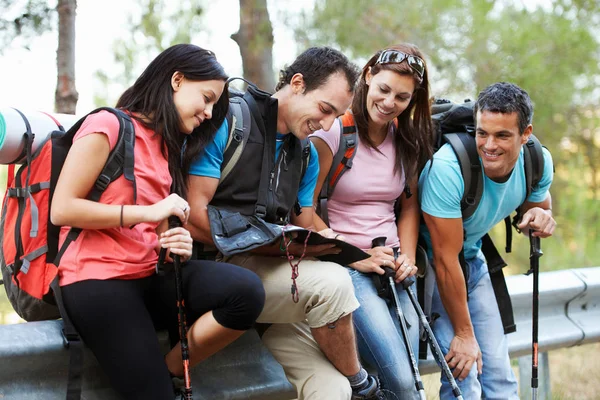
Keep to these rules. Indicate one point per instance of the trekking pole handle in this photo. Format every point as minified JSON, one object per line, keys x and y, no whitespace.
{"x":535,"y":245}
{"x":380,"y":241}
{"x":174,"y":222}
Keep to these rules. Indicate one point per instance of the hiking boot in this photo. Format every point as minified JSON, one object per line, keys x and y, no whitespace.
{"x":370,"y":391}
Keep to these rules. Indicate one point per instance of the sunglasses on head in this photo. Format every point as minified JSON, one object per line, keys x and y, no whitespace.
{"x":396,"y":57}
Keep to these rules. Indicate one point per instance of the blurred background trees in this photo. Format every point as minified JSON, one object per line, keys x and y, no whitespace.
{"x":550,"y":48}
{"x":24,"y":20}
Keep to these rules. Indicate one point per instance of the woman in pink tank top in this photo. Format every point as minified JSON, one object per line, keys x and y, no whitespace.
{"x":391,"y":115}
{"x":109,"y":285}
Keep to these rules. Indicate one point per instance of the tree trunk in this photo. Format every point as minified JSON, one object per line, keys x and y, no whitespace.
{"x":66,"y":96}
{"x":255,"y":38}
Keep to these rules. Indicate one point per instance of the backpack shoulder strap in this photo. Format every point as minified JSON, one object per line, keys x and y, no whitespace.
{"x":465,"y":149}
{"x":121,"y":159}
{"x":533,"y":162}
{"x":239,"y":121}
{"x":305,"y":146}
{"x":342,"y":159}
{"x":120,"y":162}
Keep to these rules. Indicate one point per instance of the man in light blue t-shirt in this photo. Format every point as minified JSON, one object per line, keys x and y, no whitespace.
{"x":471,"y":332}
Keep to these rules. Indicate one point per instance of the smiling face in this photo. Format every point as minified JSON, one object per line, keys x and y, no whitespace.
{"x":194,"y":100}
{"x":388,"y":96}
{"x":499,"y":142}
{"x":318,"y":108}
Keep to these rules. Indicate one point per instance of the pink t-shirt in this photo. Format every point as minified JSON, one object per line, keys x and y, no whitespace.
{"x":362,"y":205}
{"x":121,"y":253}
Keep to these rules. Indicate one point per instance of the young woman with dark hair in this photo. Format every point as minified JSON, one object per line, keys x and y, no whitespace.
{"x":391,"y":113}
{"x":110,"y":289}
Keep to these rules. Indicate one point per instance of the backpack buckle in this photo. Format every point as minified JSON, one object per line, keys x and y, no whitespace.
{"x":102,"y":182}
{"x":261,"y":210}
{"x":470,"y":200}
{"x":238,"y":135}
{"x":68,"y":338}
{"x":18,"y":192}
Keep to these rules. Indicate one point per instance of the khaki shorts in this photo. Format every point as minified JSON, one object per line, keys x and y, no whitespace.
{"x":325,"y":289}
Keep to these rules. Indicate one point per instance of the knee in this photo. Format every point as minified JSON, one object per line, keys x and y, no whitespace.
{"x":322,"y":386}
{"x":250,"y":290}
{"x":245,"y":302}
{"x":336,"y":283}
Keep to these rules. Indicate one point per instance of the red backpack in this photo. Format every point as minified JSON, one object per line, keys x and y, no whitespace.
{"x":29,"y":241}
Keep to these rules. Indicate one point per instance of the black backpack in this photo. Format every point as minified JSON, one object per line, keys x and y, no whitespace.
{"x":454,"y":124}
{"x":239,"y":122}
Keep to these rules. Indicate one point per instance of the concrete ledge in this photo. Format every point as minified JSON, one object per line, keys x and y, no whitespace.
{"x":35,"y":363}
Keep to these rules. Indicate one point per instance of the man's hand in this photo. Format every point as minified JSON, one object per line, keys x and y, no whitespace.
{"x":464,"y":351}
{"x":538,"y":220}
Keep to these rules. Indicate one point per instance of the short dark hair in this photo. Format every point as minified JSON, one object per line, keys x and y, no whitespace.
{"x":152,"y":96}
{"x":316,"y":65}
{"x":506,"y":98}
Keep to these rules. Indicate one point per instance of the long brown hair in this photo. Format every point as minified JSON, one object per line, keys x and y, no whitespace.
{"x":152,"y":95}
{"x":413,"y":136}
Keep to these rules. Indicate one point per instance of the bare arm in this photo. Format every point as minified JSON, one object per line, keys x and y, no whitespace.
{"x":408,"y":223}
{"x":305,"y":219}
{"x":408,"y":232}
{"x":447,"y":243}
{"x":83,"y":164}
{"x":201,"y":190}
{"x":538,"y":216}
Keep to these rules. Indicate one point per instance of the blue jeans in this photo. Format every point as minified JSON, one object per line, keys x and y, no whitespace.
{"x":379,"y":337}
{"x":497,"y":380}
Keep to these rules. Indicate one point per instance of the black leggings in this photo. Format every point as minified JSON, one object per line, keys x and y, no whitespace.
{"x":117,"y":319}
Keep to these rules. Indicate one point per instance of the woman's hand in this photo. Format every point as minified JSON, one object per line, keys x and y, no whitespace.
{"x":405,"y":267}
{"x":177,"y":241}
{"x":330,"y":234}
{"x":380,"y":256}
{"x":171,"y":205}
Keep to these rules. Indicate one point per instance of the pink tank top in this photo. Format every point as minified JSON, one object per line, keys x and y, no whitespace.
{"x":362,"y":205}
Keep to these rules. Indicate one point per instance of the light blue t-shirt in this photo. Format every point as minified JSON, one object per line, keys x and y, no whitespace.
{"x":209,"y":164}
{"x":441,"y":188}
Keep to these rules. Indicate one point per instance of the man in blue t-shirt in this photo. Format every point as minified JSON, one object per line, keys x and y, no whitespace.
{"x":312,"y":334}
{"x":471,"y":332}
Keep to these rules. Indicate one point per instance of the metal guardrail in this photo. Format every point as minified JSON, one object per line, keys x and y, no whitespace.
{"x":33,"y":361}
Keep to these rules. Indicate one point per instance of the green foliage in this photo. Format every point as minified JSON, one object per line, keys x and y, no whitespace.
{"x":552,"y":50}
{"x":159,"y":25}
{"x":24,"y":20}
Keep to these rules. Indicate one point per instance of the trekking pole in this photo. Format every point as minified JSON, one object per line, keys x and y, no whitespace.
{"x":534,"y":262}
{"x":175,"y":222}
{"x":433,"y":344}
{"x":389,"y":277}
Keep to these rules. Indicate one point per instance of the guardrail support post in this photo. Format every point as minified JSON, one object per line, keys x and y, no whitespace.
{"x":544,"y":392}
